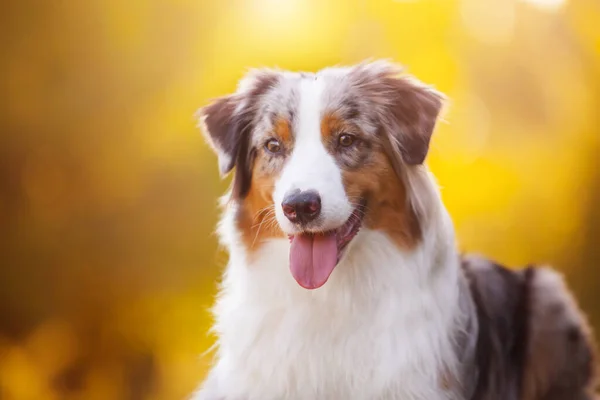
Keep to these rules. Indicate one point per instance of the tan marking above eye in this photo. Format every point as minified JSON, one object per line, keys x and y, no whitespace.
{"x":331,"y":124}
{"x":283,"y":130}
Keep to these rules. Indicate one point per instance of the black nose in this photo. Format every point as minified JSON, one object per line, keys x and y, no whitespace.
{"x":301,"y":207}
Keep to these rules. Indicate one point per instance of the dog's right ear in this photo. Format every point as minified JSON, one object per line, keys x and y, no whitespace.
{"x":222,"y":130}
{"x":228,"y":121}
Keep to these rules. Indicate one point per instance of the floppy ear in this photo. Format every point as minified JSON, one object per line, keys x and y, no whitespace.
{"x":223,"y":130}
{"x":407,"y":110}
{"x":228,"y":123}
{"x":411,"y":113}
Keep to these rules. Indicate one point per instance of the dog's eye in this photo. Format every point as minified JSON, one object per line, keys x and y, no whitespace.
{"x":273,"y":146}
{"x":346,"y":140}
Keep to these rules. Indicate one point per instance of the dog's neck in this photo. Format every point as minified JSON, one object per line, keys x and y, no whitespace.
{"x":378,"y":291}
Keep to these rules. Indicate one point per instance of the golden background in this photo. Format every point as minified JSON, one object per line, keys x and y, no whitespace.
{"x":108,"y":192}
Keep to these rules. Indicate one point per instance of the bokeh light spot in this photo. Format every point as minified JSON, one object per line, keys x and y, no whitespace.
{"x":490,"y":21}
{"x":547,"y":5}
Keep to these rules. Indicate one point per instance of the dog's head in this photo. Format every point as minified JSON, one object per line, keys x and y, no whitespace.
{"x":317,"y":156}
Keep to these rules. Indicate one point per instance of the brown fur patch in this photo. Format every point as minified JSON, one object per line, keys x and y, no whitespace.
{"x":388,"y":209}
{"x":387,"y":201}
{"x":283,"y":130}
{"x":331,"y":125}
{"x":256,"y":215}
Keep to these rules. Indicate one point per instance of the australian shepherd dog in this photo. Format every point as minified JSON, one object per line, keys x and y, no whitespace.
{"x":344,"y":281}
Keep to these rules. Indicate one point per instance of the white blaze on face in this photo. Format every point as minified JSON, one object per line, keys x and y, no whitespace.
{"x":310,"y":166}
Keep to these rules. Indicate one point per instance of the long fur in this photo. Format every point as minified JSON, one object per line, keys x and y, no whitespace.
{"x":396,"y":320}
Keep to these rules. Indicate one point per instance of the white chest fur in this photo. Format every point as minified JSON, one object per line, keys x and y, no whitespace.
{"x":380,"y":329}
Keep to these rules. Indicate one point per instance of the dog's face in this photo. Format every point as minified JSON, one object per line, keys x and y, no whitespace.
{"x":317,"y":156}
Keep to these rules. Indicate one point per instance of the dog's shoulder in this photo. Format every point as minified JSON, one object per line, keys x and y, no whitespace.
{"x":534,"y":342}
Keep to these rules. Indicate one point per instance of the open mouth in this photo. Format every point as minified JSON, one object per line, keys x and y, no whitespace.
{"x":313,"y":256}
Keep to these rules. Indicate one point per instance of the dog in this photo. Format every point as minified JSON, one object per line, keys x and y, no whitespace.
{"x":344,"y":281}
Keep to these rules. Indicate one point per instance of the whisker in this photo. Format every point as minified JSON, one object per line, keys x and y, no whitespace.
{"x":257,"y":232}
{"x":266,"y":209}
{"x":271,"y":224}
{"x":266,"y":218}
{"x":265,"y":213}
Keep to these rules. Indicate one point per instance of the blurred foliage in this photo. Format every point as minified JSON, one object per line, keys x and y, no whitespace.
{"x":108,"y":193}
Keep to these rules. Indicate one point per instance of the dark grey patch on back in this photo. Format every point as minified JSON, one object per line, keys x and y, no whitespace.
{"x":507,"y":304}
{"x":499,"y":296}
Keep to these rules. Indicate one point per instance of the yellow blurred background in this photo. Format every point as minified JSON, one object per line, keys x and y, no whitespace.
{"x":108,"y":193}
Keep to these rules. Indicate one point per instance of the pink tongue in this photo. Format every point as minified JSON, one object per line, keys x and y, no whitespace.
{"x":312,"y":259}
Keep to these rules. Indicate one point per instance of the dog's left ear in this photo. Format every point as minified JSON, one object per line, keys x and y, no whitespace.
{"x":411,"y":113}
